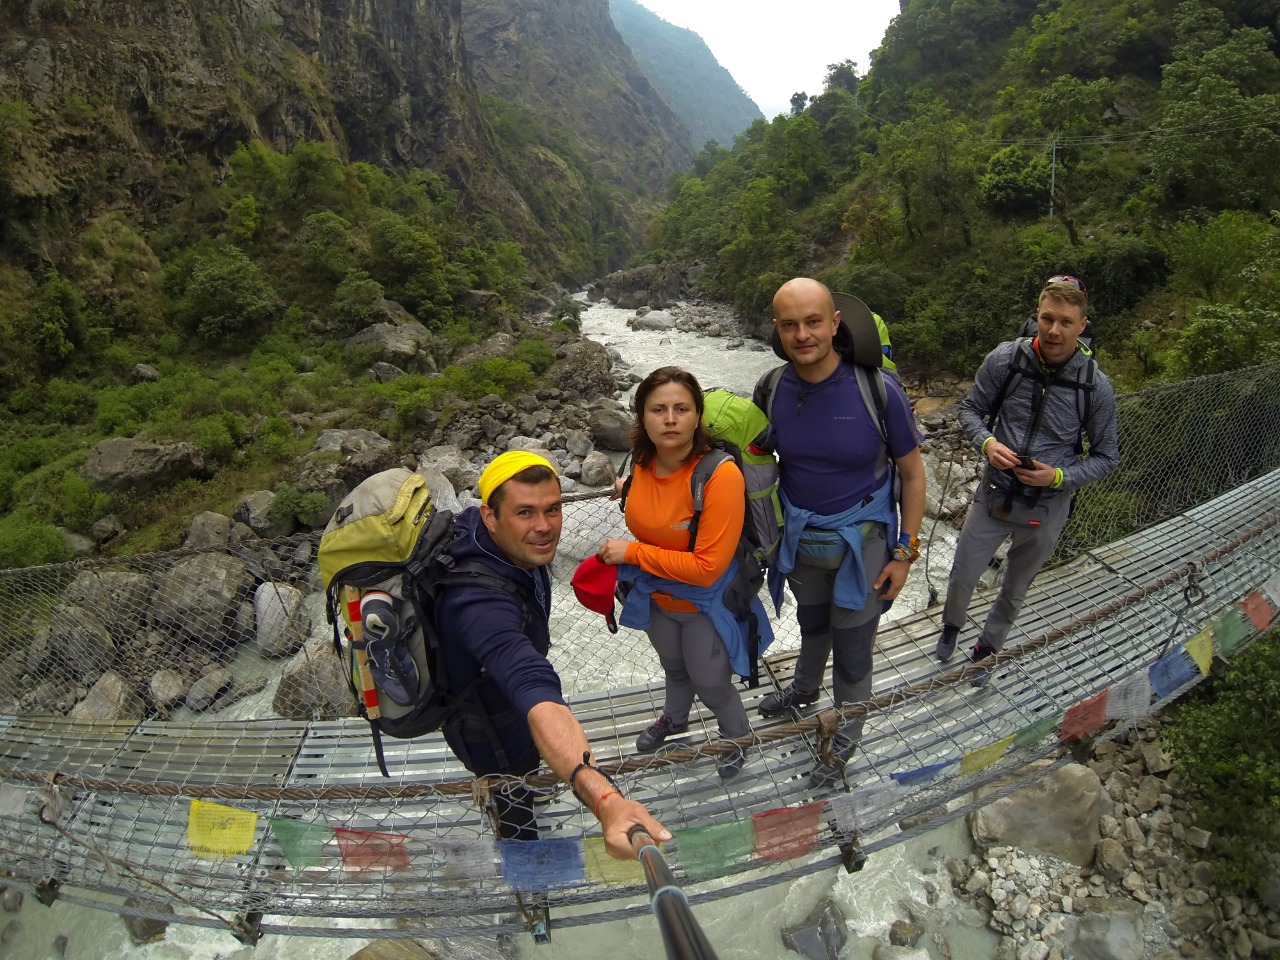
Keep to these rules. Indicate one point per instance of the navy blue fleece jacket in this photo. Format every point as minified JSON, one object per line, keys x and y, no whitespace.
{"x":486,"y":628}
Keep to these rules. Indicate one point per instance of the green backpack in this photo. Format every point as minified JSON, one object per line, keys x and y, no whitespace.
{"x":383,"y":565}
{"x":735,"y":424}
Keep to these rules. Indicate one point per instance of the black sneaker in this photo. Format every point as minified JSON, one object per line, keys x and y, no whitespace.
{"x":730,"y":764}
{"x":653,"y":737}
{"x":982,"y":678}
{"x":826,"y":774}
{"x":776,"y":704}
{"x":947,"y":642}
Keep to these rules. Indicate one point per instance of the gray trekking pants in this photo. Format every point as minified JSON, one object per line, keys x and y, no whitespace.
{"x":979,"y":540}
{"x":849,"y":636}
{"x":696,"y":662}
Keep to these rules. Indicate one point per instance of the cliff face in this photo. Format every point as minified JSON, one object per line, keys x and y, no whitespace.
{"x":564,"y":61}
{"x":118,"y":88}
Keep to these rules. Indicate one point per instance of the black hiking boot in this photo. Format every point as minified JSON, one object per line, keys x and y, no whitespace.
{"x":776,"y":704}
{"x":947,"y":642}
{"x":652,"y":738}
{"x":980,"y":652}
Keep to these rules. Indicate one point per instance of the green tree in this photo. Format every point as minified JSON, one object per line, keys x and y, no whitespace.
{"x":1210,"y":260}
{"x":1222,"y":338}
{"x":227,"y":298}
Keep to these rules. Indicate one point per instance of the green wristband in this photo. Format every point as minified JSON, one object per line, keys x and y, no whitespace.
{"x":1057,"y":477}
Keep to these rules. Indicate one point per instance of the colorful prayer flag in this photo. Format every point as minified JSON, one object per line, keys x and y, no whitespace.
{"x":922,"y":775}
{"x":470,"y":859}
{"x":541,"y":864}
{"x":1272,"y":588}
{"x":370,"y":850}
{"x":1258,"y":609}
{"x":13,"y":801}
{"x":863,"y":808}
{"x":302,"y":843}
{"x":711,"y":851}
{"x":215,"y":831}
{"x":787,"y":832}
{"x":1032,"y":735}
{"x":602,"y":868}
{"x":983,"y":757}
{"x":1130,"y":698}
{"x":1231,"y":630}
{"x":1172,"y":672}
{"x":1086,"y":717}
{"x":1200,"y":649}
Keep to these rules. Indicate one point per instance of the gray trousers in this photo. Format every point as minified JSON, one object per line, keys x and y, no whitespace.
{"x":696,"y":663}
{"x":848,"y":636}
{"x":979,"y":540}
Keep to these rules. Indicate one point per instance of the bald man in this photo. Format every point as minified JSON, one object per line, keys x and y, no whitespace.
{"x":512,"y":714}
{"x":848,"y":539}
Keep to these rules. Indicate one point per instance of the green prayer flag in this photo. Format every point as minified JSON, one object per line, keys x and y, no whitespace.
{"x":1032,"y":735}
{"x":1231,"y":630}
{"x":302,"y":843}
{"x":710,"y":851}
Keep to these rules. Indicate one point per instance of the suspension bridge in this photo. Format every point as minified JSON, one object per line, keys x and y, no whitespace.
{"x":163,"y":755}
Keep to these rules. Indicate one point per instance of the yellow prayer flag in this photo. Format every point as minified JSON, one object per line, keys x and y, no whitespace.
{"x":215,"y":831}
{"x":983,"y":757}
{"x":1200,"y":647}
{"x":602,"y":868}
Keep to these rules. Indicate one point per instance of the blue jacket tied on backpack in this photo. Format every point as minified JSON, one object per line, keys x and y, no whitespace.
{"x":851,"y":587}
{"x":733,"y":633}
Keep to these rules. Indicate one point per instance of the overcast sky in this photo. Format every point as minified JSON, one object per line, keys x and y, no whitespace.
{"x":774,"y":49}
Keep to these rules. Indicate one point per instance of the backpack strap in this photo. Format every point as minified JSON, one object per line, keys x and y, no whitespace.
{"x":698,"y":479}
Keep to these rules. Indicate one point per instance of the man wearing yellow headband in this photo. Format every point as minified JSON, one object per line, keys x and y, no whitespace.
{"x":512,"y":713}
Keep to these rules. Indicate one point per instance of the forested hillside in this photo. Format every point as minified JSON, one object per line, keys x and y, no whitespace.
{"x":686,"y":73}
{"x":993,"y":144}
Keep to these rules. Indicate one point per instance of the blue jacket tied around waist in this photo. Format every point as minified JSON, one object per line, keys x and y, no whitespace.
{"x":709,"y":600}
{"x":851,"y":586}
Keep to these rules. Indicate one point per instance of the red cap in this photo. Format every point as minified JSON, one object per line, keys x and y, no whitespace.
{"x":595,"y":582}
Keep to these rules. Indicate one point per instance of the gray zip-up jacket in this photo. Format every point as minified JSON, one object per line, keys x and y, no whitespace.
{"x":1053,"y":440}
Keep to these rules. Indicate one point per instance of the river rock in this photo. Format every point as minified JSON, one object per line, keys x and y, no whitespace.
{"x":313,"y":685}
{"x":281,"y":620}
{"x":111,"y":698}
{"x":1058,"y":815}
{"x":124,"y":465}
{"x":143,"y":930}
{"x":821,"y":935}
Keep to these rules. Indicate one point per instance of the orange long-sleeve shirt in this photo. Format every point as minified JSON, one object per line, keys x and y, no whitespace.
{"x":658,"y":513}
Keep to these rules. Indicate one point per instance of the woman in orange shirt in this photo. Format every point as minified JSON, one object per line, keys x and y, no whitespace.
{"x":678,"y":587}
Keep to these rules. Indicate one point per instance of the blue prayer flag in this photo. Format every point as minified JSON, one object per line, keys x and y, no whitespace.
{"x":922,"y":775}
{"x":1172,"y":672}
{"x":542,"y":864}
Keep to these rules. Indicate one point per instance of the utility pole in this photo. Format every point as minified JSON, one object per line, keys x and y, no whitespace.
{"x":1053,"y":175}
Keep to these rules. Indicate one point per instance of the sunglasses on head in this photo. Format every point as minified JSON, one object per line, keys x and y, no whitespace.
{"x":1067,"y":278}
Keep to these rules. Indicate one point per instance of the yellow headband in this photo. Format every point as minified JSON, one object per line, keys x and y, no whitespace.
{"x":505,"y":467}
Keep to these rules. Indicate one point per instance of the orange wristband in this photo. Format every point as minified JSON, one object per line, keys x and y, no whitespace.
{"x":602,"y":798}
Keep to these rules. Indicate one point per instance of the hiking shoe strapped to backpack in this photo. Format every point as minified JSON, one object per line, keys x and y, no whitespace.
{"x":790,"y":698}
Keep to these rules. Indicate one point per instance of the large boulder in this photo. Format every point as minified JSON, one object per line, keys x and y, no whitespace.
{"x":404,"y":345}
{"x":313,"y":685}
{"x":78,"y":640}
{"x":111,"y":698}
{"x":653,"y":285}
{"x":585,"y":369}
{"x":1059,"y":815}
{"x":124,"y":465}
{"x":200,"y":597}
{"x":115,"y":597}
{"x":255,"y":511}
{"x":610,"y":426}
{"x":282,"y":621}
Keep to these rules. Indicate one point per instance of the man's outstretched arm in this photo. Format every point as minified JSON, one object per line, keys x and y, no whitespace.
{"x":562,"y":742}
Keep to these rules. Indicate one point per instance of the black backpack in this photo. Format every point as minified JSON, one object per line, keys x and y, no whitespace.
{"x":383,"y":566}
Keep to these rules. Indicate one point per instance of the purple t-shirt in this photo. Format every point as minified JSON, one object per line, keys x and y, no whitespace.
{"x":828,"y":442}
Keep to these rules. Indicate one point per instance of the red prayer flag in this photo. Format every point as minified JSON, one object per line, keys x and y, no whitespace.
{"x":368,"y":850}
{"x":1258,"y":609}
{"x":1085,"y":717}
{"x":787,"y":832}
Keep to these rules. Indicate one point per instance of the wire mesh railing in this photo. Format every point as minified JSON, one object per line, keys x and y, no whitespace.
{"x":177,"y":725}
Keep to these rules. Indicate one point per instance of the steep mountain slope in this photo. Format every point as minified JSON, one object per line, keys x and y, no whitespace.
{"x":686,"y":73}
{"x":563,"y":62}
